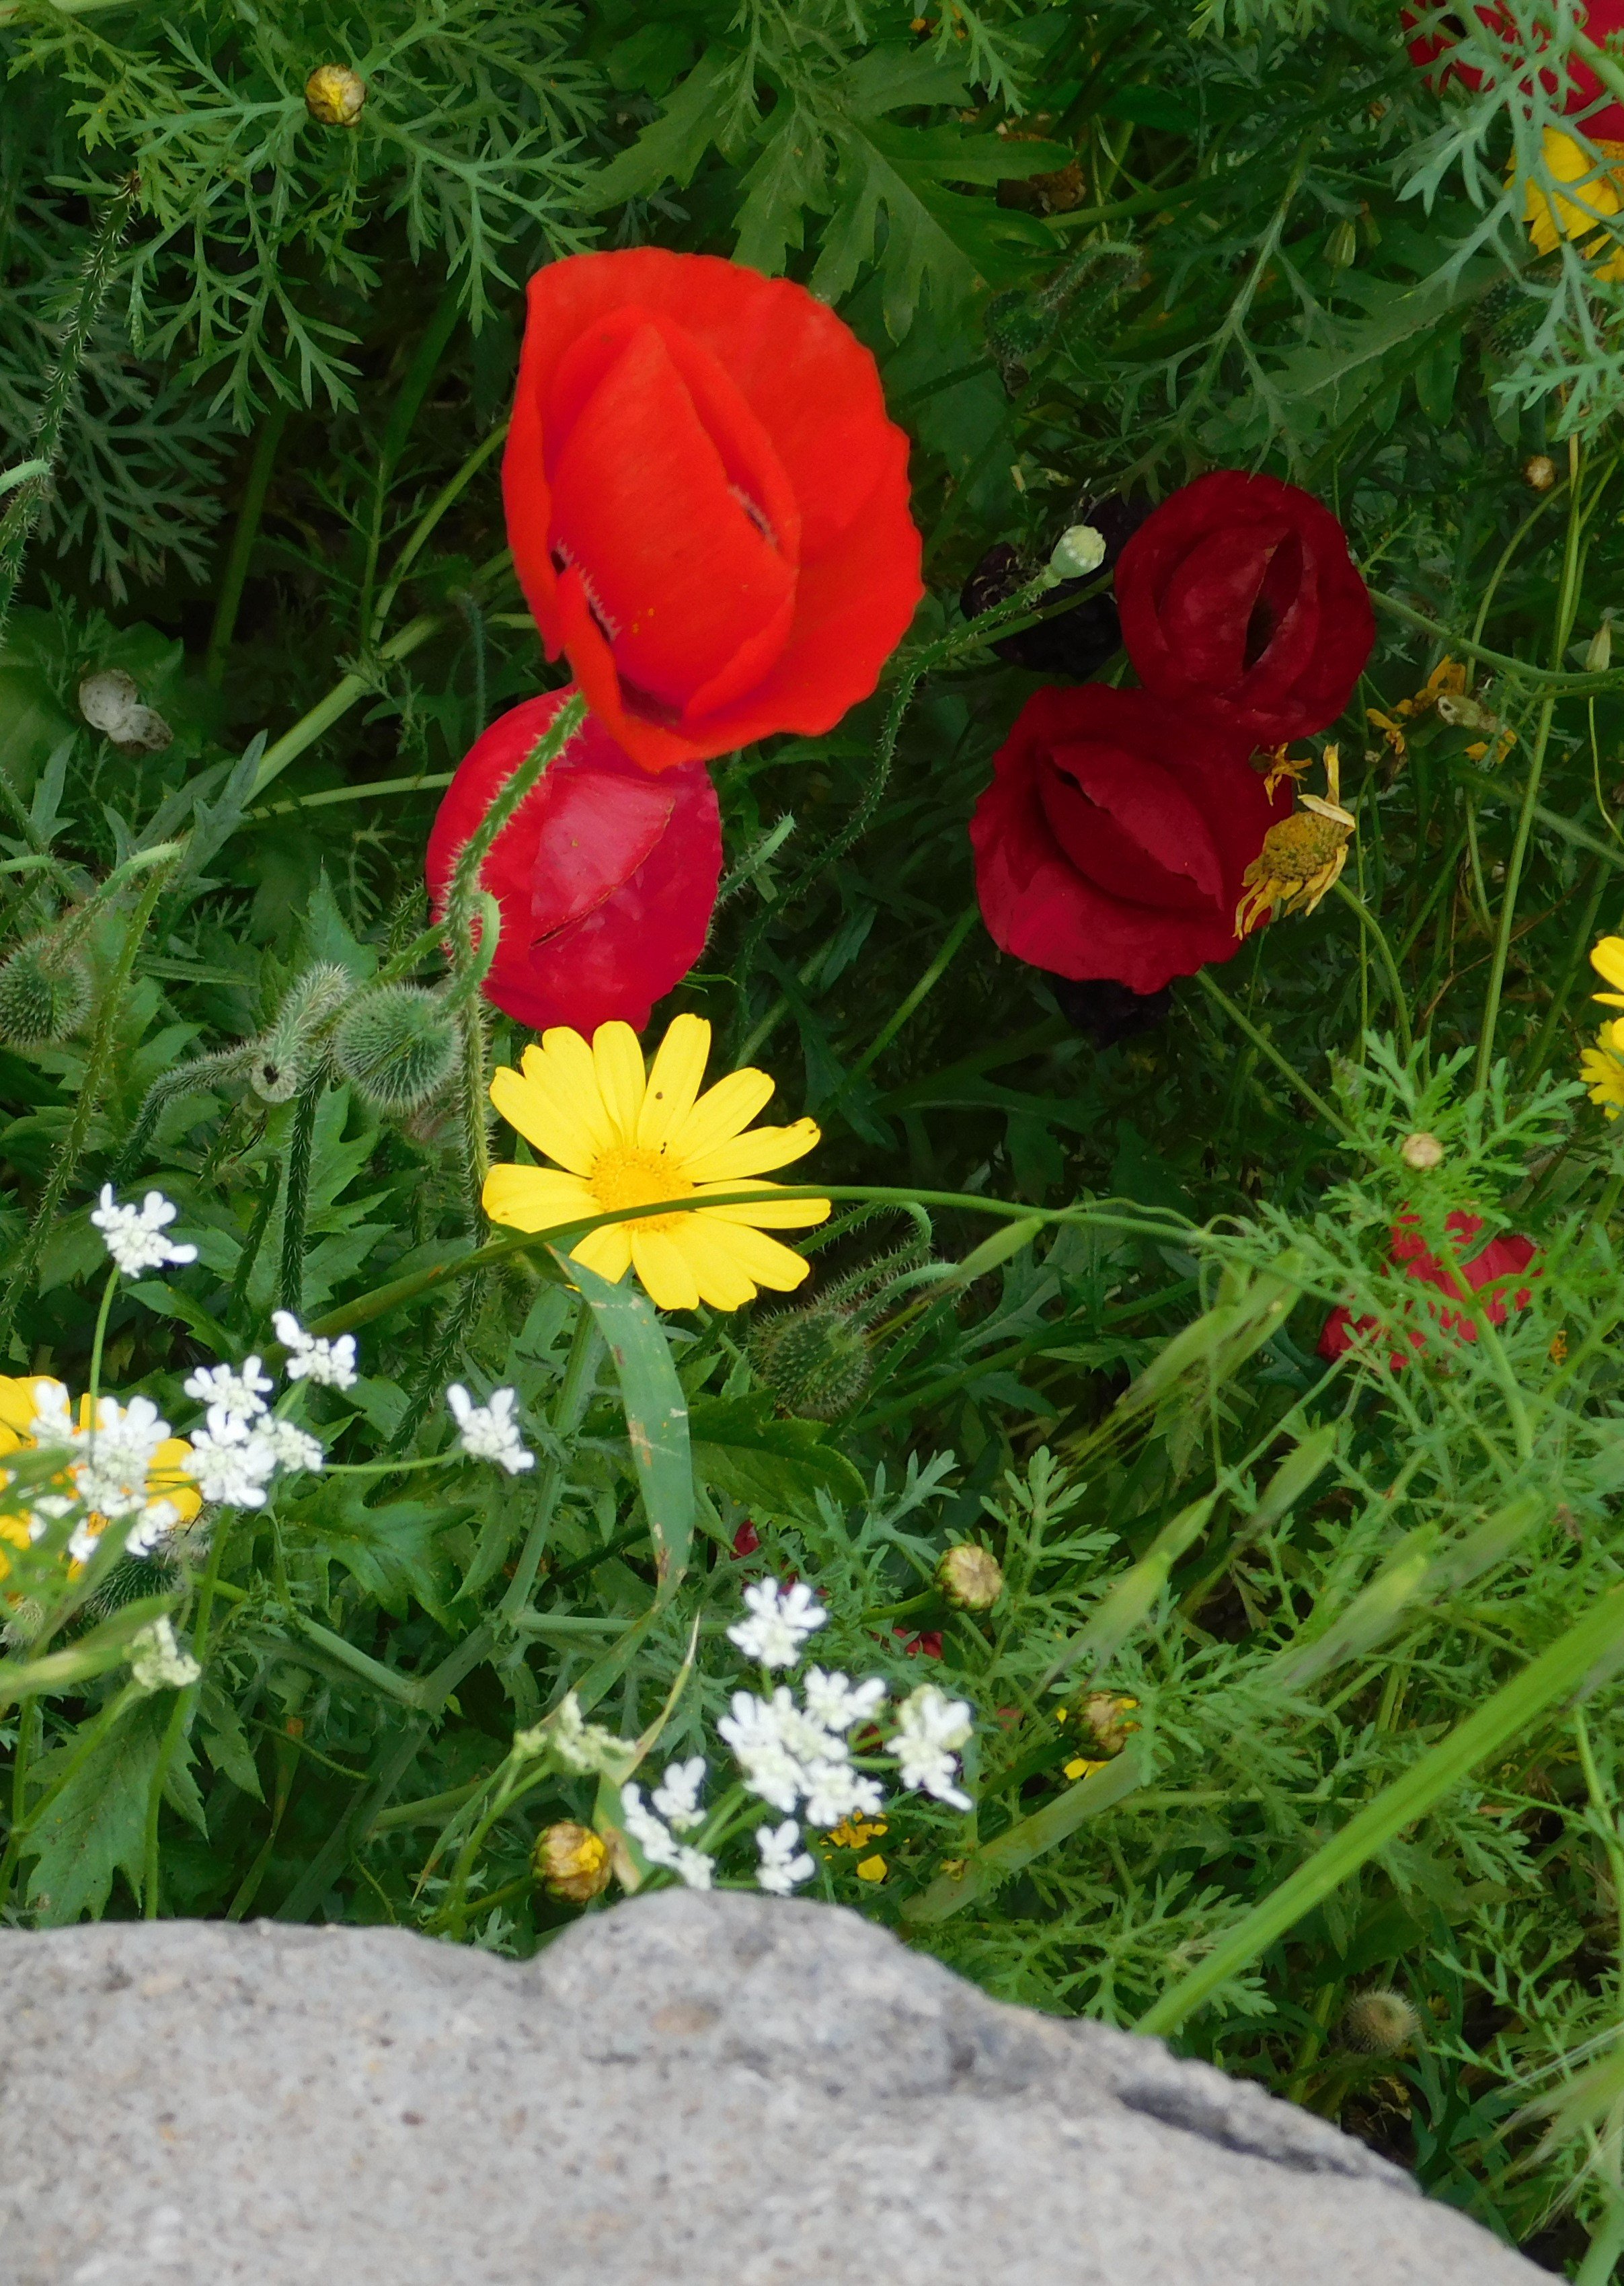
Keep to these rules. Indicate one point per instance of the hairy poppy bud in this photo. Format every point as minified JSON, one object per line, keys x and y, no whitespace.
{"x":1423,"y":1152}
{"x":814,"y":1360}
{"x":1378,"y":2023}
{"x":44,"y":992}
{"x":1539,"y":472}
{"x":572,"y":1862}
{"x":290,"y":1052}
{"x":334,"y":95}
{"x":111,"y":703}
{"x":398,"y":1046}
{"x":970,"y":1577}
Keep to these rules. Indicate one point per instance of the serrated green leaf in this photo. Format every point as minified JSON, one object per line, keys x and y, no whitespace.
{"x":668,"y":150}
{"x":97,"y":1825}
{"x":776,"y":1466}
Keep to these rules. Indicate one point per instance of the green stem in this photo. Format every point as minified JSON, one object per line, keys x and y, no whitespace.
{"x":296,"y":1211}
{"x":1265,"y":1047}
{"x":423,"y":530}
{"x":248,"y":514}
{"x":1378,"y":937}
{"x":566,"y":1419}
{"x":86,"y":1105}
{"x":102,"y":1315}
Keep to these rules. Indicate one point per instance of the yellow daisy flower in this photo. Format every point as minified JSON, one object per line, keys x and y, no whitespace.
{"x":1602,"y":1066}
{"x":624,"y":1137}
{"x":1607,"y":959}
{"x":21,"y":1401}
{"x":1597,"y":200}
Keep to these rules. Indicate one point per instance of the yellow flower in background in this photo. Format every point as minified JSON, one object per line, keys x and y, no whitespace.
{"x":1602,"y":1066}
{"x":1447,"y":680}
{"x":623,"y":1137}
{"x":1607,"y":959}
{"x":145,"y":1471}
{"x":1596,"y":201}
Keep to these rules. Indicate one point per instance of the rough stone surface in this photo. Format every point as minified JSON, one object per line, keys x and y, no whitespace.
{"x":688,"y":2091}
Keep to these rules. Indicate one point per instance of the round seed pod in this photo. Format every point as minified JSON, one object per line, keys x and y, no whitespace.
{"x":44,"y":992}
{"x":970,"y":1577}
{"x":334,"y":95}
{"x":1378,"y":2023}
{"x":572,"y":1862}
{"x":814,"y":1360}
{"x":398,"y":1046}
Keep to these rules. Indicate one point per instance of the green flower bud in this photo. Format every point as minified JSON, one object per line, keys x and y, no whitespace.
{"x":44,"y":992}
{"x":1599,"y":658}
{"x":398,"y":1046}
{"x":292,"y":1052}
{"x":1378,"y":2023}
{"x":1341,"y":247}
{"x":814,"y":1360}
{"x":1077,"y":552}
{"x":334,"y":95}
{"x":970,"y":1577}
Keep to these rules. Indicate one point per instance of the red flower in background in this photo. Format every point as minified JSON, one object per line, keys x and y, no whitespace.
{"x":707,"y":504}
{"x":1502,"y":1257}
{"x":1241,"y":604}
{"x":1113,"y":838}
{"x":605,"y":876}
{"x":1440,"y":33}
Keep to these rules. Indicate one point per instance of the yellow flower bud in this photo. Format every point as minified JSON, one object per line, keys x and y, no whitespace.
{"x":1422,"y":1152}
{"x":572,"y":1862}
{"x":334,"y":95}
{"x":1103,"y":1711}
{"x":1540,"y":473}
{"x":970,"y":1578}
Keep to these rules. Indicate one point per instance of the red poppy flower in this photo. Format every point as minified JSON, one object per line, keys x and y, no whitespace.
{"x":1502,"y":1257}
{"x":1113,"y":838}
{"x":707,"y":505}
{"x":605,"y":876}
{"x":1239,"y":601}
{"x":1603,"y":19}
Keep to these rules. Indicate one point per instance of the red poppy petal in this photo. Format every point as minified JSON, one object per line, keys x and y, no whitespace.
{"x":600,"y":827}
{"x":1158,"y":818}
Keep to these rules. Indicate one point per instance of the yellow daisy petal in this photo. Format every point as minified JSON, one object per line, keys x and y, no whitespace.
{"x":764,"y":1212}
{"x":673,"y":1080}
{"x":608,"y":1251}
{"x":723,"y":1282}
{"x":567,"y":1059}
{"x":763,"y":1148}
{"x":166,"y":1477}
{"x":533,"y":1103}
{"x":536,"y":1198}
{"x":1607,"y":959}
{"x":663,"y":1269}
{"x":18,"y":1408}
{"x":762,"y":1258}
{"x":720,"y":1113}
{"x":618,"y":1060}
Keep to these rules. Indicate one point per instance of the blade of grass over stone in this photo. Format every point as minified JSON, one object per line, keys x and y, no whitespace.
{"x":1558,"y":1673}
{"x":1017,"y":1847}
{"x":1132,"y":1599}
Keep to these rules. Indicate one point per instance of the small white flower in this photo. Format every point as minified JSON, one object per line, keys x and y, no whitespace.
{"x":781,"y":1869}
{"x":489,"y":1432}
{"x":82,"y":1541}
{"x":157,"y":1661}
{"x":294,"y":1447}
{"x":577,"y":1744}
{"x":835,"y":1791}
{"x":692,"y":1867}
{"x":837,"y":1702}
{"x":53,"y":1423}
{"x":770,"y":1769}
{"x":112,"y":1457}
{"x":229,"y":1464}
{"x":930,"y":1729}
{"x":310,"y":1357}
{"x":134,"y":1235}
{"x":239,"y":1394}
{"x":677,"y":1796}
{"x":780,"y":1620}
{"x":151,"y":1527}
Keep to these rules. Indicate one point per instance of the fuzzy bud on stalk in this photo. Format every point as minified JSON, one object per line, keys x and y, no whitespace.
{"x":1378,"y":2023}
{"x":816,"y":1361}
{"x":572,"y":1862}
{"x":44,"y":992}
{"x":334,"y":95}
{"x":970,"y":1577}
{"x":290,"y":1053}
{"x":1423,"y":1152}
{"x":1539,"y":472}
{"x":398,"y":1046}
{"x":1079,"y":550}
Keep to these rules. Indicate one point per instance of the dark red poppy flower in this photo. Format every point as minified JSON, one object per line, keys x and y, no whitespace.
{"x":747,"y":1540}
{"x":1502,"y":1257}
{"x":707,"y":505}
{"x":606,"y":877}
{"x":1239,"y":601}
{"x":1436,"y":40}
{"x":1113,"y":838}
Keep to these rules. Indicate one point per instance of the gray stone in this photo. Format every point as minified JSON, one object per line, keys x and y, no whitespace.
{"x":687,"y":2090}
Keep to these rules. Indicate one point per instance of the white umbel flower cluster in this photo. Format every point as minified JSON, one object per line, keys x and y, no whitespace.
{"x":109,"y":1459}
{"x":489,"y":1432}
{"x":788,"y":1754}
{"x":310,"y":1357}
{"x":785,"y":1864}
{"x":134,"y":1236}
{"x":659,"y":1846}
{"x":157,"y":1661}
{"x":780,"y":1620}
{"x":676,"y":1797}
{"x":930,"y":1729}
{"x":243,"y":1443}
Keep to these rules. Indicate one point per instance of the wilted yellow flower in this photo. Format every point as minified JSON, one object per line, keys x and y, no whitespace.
{"x":572,"y":1862}
{"x":624,"y":1137}
{"x":1301,"y":857}
{"x":1447,"y":680}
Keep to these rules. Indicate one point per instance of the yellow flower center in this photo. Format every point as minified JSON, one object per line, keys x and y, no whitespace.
{"x":626,"y":1176}
{"x":1295,"y":848}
